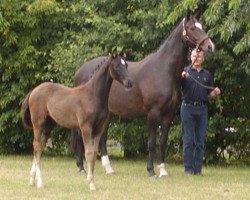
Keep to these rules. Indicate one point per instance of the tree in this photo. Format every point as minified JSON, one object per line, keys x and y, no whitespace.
{"x":48,"y":39}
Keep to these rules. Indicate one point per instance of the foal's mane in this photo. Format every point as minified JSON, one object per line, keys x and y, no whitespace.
{"x":102,"y":63}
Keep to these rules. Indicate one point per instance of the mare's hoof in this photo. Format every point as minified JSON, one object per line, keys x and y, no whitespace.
{"x":81,"y":171}
{"x":163,"y":175}
{"x":110,"y":173}
{"x":154,"y":177}
{"x":162,"y":170}
{"x":151,"y":173}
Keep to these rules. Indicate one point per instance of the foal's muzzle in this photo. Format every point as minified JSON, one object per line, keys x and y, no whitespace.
{"x":128,"y":83}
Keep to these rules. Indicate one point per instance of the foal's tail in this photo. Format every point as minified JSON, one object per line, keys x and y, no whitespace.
{"x":25,"y":112}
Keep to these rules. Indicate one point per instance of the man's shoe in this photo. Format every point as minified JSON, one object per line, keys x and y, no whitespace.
{"x":198,"y":174}
{"x":189,"y":173}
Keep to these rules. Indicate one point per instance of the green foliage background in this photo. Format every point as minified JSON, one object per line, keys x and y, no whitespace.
{"x":49,"y":39}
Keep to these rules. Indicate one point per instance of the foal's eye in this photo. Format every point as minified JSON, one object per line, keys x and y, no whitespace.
{"x":123,"y":62}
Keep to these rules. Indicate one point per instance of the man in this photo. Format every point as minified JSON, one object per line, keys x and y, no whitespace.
{"x":194,"y":112}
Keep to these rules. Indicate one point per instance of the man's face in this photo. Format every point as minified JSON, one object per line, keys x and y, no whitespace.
{"x":197,"y":57}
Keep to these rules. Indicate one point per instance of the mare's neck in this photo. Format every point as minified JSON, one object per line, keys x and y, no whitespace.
{"x":173,"y":51}
{"x":101,"y":84}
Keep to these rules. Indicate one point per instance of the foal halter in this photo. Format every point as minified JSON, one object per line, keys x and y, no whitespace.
{"x":187,"y":38}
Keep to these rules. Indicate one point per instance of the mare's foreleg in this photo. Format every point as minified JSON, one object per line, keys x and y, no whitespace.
{"x":152,"y":121}
{"x":165,"y":125}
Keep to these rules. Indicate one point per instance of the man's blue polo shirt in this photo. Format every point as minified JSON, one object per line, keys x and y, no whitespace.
{"x":192,"y":91}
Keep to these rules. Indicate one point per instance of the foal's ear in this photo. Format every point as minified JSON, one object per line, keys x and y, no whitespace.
{"x":123,"y":54}
{"x":114,"y":52}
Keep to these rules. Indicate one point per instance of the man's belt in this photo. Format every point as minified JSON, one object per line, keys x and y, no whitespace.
{"x":194,"y":103}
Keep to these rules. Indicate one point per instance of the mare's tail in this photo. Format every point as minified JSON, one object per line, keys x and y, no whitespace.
{"x":25,"y":112}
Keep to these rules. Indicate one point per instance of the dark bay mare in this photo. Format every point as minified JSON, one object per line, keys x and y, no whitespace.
{"x":84,"y":107}
{"x":156,"y":89}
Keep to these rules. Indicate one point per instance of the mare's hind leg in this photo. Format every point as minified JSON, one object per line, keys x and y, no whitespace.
{"x":152,"y":122}
{"x":103,"y":149}
{"x":77,"y":148}
{"x":163,"y":141}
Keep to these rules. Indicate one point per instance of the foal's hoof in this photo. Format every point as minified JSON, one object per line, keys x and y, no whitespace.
{"x":39,"y":184}
{"x":92,"y":187}
{"x":32,"y":182}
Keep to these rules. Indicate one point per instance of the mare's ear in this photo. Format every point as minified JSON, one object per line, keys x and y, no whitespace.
{"x":198,"y":14}
{"x":188,"y":15}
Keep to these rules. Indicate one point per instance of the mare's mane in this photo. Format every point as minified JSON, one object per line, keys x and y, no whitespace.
{"x":166,"y":39}
{"x":169,"y":37}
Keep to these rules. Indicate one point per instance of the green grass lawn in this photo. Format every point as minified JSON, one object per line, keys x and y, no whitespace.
{"x":131,"y":182}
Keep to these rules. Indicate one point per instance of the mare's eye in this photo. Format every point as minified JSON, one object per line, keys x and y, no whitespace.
{"x":192,"y":28}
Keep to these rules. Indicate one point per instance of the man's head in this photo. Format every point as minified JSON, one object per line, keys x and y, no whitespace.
{"x":197,"y":57}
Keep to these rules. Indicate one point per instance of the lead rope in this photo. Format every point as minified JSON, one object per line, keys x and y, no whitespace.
{"x":218,"y":99}
{"x":184,"y":34}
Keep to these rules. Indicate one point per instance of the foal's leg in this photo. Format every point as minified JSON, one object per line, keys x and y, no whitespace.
{"x":152,"y":122}
{"x":39,"y":142}
{"x":35,"y":172}
{"x":163,"y":141}
{"x":90,"y":155}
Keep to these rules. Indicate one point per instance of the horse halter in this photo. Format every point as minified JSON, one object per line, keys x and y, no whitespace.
{"x":187,"y":39}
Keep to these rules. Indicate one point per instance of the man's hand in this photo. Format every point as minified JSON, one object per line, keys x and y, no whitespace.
{"x":184,"y":74}
{"x":215,"y":92}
